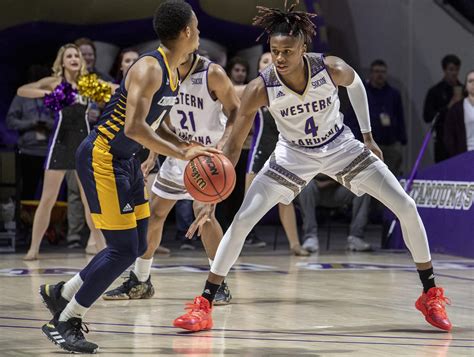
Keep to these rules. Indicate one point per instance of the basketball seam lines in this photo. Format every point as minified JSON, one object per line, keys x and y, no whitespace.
{"x":225,"y":180}
{"x":197,"y":188}
{"x":210,"y":181}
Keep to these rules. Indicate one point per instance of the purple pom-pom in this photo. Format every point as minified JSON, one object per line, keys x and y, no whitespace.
{"x":51,"y":102}
{"x":62,"y":96}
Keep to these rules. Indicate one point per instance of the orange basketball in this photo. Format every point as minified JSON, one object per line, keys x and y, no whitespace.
{"x":209,"y":179}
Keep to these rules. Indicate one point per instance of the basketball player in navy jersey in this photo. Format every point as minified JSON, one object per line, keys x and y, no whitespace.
{"x":111,"y":175}
{"x":204,"y":112}
{"x":301,"y":92}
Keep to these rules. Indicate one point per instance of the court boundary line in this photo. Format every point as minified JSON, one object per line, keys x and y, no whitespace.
{"x":261,"y":331}
{"x":257,"y":339}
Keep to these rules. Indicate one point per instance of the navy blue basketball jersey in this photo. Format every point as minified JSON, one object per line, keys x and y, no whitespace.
{"x":111,"y":126}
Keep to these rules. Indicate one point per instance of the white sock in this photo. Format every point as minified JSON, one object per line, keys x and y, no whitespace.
{"x":142,"y":269}
{"x":71,"y":287}
{"x":73,"y":309}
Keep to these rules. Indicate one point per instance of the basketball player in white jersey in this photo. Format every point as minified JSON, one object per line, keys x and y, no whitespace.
{"x":301,"y":92}
{"x":204,"y":112}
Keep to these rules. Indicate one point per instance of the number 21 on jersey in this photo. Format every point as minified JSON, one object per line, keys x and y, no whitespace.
{"x":184,"y":120}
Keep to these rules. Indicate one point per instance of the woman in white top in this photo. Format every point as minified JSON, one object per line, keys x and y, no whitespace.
{"x":459,"y":123}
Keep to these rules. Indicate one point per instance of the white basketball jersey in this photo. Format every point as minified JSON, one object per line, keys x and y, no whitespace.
{"x":310,"y":119}
{"x":196,"y":115}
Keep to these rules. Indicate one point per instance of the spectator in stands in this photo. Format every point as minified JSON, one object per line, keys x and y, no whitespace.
{"x":459,"y":123}
{"x":89,"y":53}
{"x":440,"y":98}
{"x":34,"y":122}
{"x":125,"y":59}
{"x":237,"y":70}
{"x":386,"y":116}
{"x":328,"y":193}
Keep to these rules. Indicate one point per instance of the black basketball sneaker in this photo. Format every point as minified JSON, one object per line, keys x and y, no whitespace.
{"x":68,"y":335}
{"x":131,"y":288}
{"x":51,"y":295}
{"x":223,"y":295}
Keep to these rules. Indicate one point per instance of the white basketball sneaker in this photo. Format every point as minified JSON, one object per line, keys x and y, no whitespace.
{"x":358,"y":244}
{"x":311,"y":244}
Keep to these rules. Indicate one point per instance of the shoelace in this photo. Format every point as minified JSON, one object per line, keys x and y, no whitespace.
{"x":194,"y":309}
{"x":79,"y":328}
{"x":127,"y":283}
{"x":438,"y":302}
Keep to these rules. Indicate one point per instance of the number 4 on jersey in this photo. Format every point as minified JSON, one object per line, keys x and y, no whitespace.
{"x":311,"y":127}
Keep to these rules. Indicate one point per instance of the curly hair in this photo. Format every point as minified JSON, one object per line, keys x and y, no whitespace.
{"x":286,"y":21}
{"x":58,"y":70}
{"x":171,"y":17}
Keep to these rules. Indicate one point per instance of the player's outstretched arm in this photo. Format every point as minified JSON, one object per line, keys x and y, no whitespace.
{"x":253,"y":98}
{"x":221,"y":87}
{"x":142,"y":82}
{"x":38,"y":89}
{"x":344,"y":75}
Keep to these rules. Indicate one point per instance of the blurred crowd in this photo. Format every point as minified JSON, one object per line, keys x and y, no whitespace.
{"x":451,"y":102}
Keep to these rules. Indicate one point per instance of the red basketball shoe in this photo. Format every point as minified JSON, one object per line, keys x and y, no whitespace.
{"x":198,"y":318}
{"x":432,"y":306}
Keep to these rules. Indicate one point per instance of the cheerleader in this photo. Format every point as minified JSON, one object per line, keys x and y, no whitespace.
{"x":71,"y":127}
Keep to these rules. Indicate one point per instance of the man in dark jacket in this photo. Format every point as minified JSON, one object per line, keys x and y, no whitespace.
{"x":440,"y":98}
{"x":34,"y":122}
{"x":386,"y":116}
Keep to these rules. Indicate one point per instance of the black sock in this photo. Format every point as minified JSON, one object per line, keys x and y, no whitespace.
{"x":427,"y":279}
{"x":210,"y":291}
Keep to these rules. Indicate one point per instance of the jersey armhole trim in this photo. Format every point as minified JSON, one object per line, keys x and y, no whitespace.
{"x":266,"y":89}
{"x":125,"y":91}
{"x":207,"y":82}
{"x":329,"y":74}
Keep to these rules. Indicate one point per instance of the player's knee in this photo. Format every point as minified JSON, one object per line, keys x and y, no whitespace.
{"x":126,"y":249}
{"x":410,"y":205}
{"x":157,"y":217}
{"x":407,"y":208}
{"x":244,"y":219}
{"x":123,"y":256}
{"x":48,"y":201}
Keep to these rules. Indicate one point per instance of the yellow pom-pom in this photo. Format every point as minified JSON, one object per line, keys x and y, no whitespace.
{"x":90,"y":86}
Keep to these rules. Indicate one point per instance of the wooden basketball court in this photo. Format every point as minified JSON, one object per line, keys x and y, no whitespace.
{"x":337,"y":304}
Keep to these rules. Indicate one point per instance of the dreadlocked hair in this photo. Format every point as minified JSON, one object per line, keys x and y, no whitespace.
{"x":286,"y":21}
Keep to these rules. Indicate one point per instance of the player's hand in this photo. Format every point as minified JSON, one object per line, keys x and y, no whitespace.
{"x":194,"y":150}
{"x":372,"y":145}
{"x":146,"y":167}
{"x":202,"y":218}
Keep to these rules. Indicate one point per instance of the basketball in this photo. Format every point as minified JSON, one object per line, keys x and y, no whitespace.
{"x":209,"y":179}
